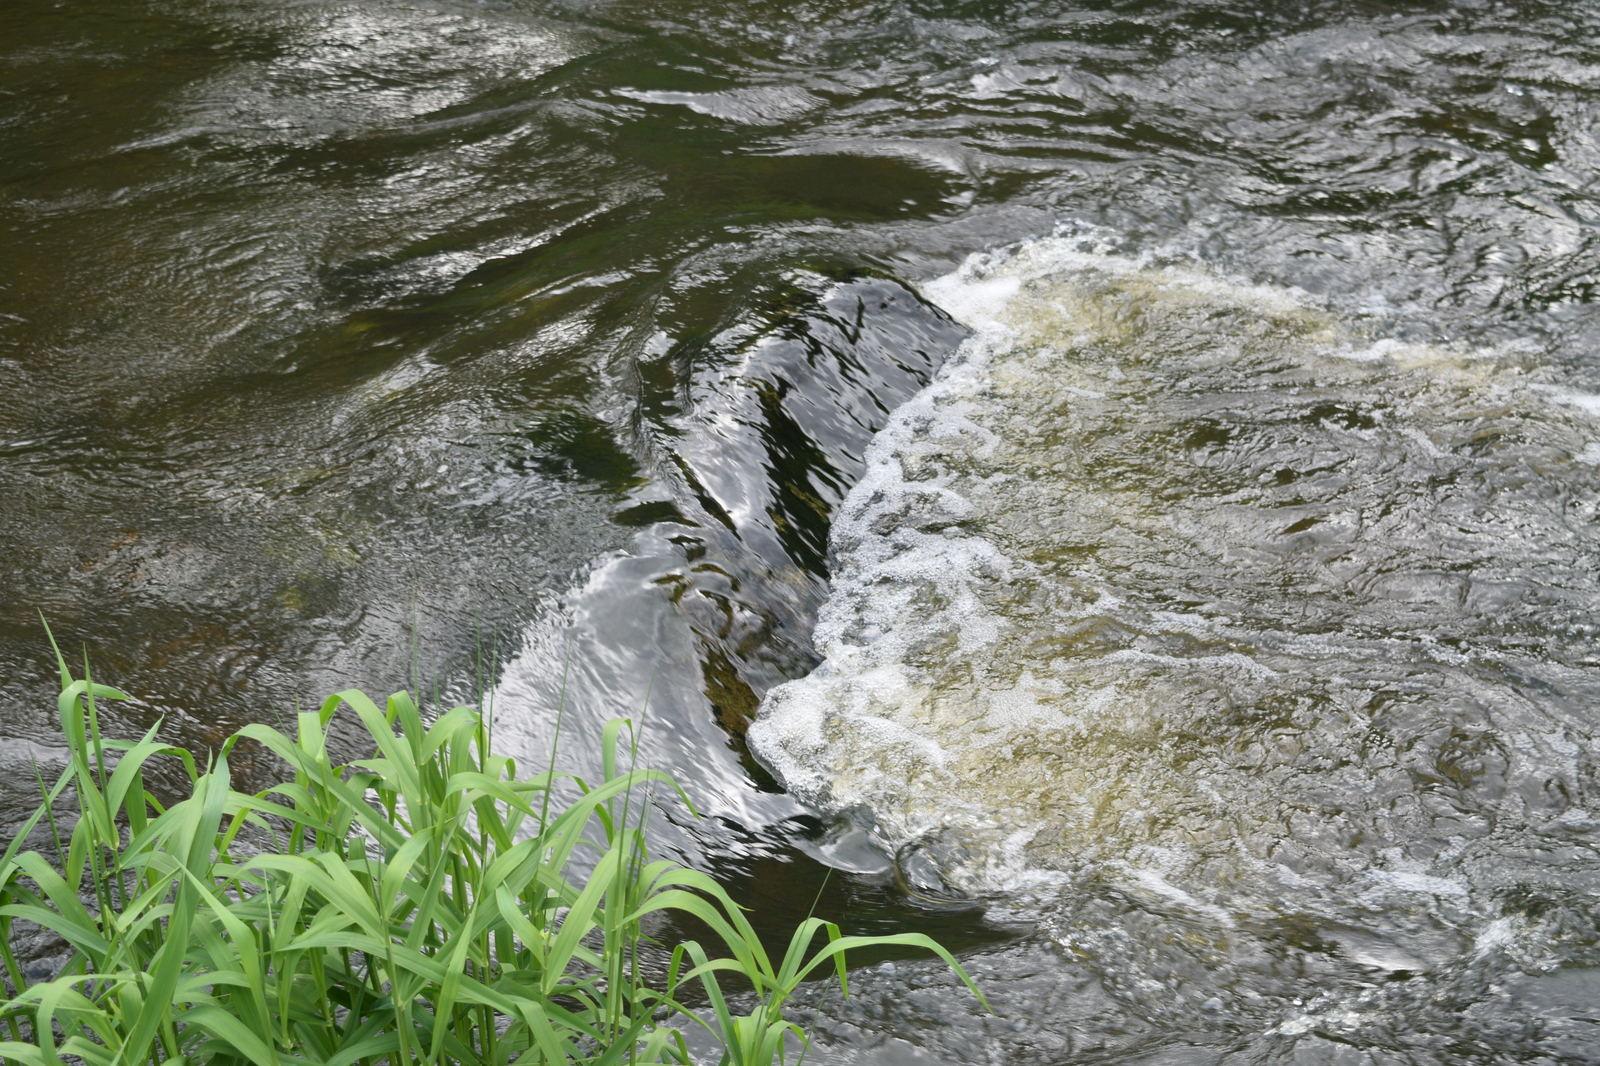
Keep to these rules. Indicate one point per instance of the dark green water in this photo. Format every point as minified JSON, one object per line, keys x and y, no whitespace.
{"x":331,"y":330}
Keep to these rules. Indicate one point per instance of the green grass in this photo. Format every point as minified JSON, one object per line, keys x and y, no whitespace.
{"x":425,"y":905}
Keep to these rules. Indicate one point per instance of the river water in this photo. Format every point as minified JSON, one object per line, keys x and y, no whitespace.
{"x":1130,"y":469}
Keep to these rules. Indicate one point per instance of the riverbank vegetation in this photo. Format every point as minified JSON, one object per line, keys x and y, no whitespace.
{"x":434,"y":903}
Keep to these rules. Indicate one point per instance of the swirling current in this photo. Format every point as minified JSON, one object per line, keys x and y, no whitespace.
{"x":1112,"y":483}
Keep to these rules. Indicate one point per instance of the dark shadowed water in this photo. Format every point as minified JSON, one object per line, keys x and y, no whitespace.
{"x":1218,"y":611}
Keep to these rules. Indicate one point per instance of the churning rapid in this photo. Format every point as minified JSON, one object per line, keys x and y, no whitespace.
{"x":1193,"y":588}
{"x":1190,"y":575}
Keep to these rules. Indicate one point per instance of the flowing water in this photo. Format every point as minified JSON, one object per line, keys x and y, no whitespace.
{"x":1116,"y":482}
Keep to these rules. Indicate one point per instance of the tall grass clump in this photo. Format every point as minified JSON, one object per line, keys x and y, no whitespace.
{"x":425,"y":905}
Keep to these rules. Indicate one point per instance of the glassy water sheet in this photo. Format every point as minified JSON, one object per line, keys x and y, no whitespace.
{"x":1248,"y":652}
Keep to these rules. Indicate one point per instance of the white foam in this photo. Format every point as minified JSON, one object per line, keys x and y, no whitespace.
{"x":1001,"y":683}
{"x":1232,"y":660}
{"x":902,"y":721}
{"x":1406,"y":881}
{"x":1155,"y":882}
{"x":1426,"y":442}
{"x":1380,"y":350}
{"x":1500,"y":933}
{"x":1586,"y":402}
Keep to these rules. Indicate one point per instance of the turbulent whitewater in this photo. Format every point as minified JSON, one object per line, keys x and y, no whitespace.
{"x":1230,"y":599}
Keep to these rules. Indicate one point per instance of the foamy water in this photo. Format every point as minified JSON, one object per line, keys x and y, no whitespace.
{"x":1201,"y":590}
